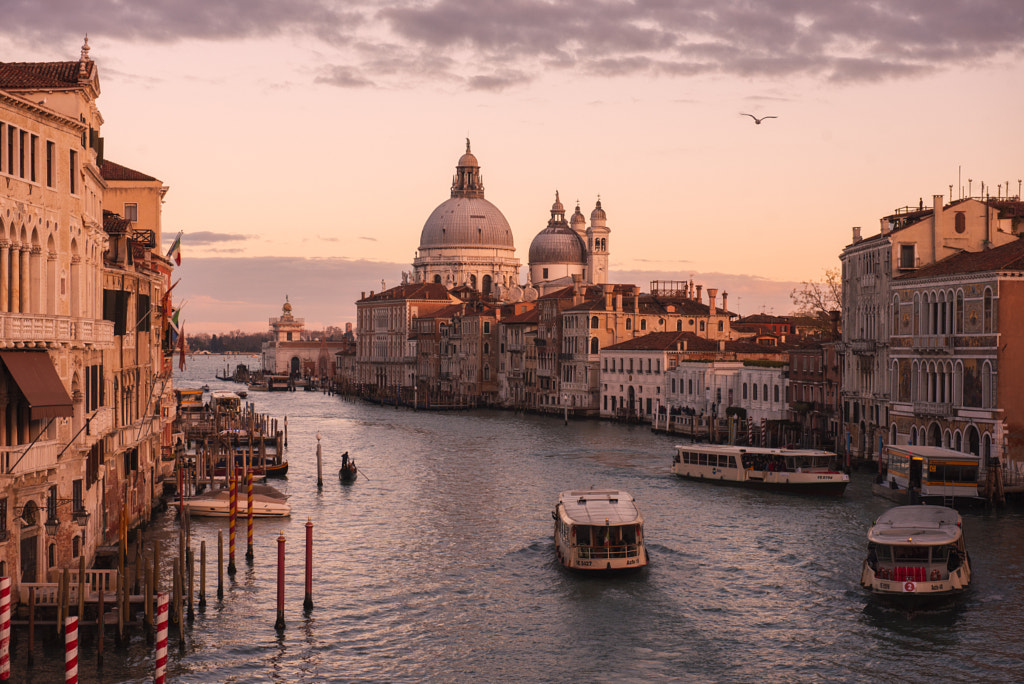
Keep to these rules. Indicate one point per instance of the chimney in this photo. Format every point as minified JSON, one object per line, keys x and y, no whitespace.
{"x":712,"y":294}
{"x":636,"y":300}
{"x":725,"y":299}
{"x":607,"y":296}
{"x":362,"y":295}
{"x":938,"y":230}
{"x":618,"y":302}
{"x":699,"y":288}
{"x":856,"y":233}
{"x":885,"y":226}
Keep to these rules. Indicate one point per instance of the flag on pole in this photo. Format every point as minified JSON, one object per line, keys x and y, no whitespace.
{"x":175,"y":251}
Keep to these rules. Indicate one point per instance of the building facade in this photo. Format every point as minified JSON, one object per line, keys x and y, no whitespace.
{"x":909,"y":239}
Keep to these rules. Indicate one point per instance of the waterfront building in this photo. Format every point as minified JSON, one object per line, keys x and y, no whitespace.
{"x":82,"y":292}
{"x":517,"y":365}
{"x":955,"y":366}
{"x":291,"y":351}
{"x":710,"y":376}
{"x":808,"y":393}
{"x":385,"y":349}
{"x":909,"y":239}
{"x":611,"y":314}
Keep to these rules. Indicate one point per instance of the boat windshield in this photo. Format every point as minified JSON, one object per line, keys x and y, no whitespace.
{"x":912,"y":554}
{"x":605,"y":535}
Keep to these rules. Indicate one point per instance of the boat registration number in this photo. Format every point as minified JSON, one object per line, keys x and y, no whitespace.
{"x":583,"y":564}
{"x":632,"y":562}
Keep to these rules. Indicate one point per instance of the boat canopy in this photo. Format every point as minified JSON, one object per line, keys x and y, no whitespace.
{"x":917,"y":525}
{"x":600,"y":507}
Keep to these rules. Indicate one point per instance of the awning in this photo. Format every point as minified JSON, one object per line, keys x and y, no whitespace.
{"x":39,"y":382}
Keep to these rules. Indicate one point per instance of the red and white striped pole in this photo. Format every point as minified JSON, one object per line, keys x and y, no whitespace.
{"x":161,"y":639}
{"x":248,"y":482}
{"x":5,"y":628}
{"x":71,"y":650}
{"x":232,"y":516}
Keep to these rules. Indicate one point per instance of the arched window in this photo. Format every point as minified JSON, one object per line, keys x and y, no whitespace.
{"x":764,"y":392}
{"x":702,"y":326}
{"x":629,"y":324}
{"x":754,"y":388}
{"x":486,"y":284}
{"x":777,"y":394}
{"x":594,"y":323}
{"x":487,"y":348}
{"x":594,"y":346}
{"x":744,"y":390}
{"x":721,"y":326}
{"x":643,"y":324}
{"x":896,"y":315}
{"x":679,"y":325}
{"x":472,"y":281}
{"x":958,"y":315}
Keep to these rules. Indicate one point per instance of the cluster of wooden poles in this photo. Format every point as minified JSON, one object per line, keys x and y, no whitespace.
{"x":144,"y":581}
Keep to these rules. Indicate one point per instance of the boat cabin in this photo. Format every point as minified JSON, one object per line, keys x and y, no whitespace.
{"x":189,"y":399}
{"x":916,"y":550}
{"x":599,"y":530}
{"x":225,"y":402}
{"x":933,"y":472}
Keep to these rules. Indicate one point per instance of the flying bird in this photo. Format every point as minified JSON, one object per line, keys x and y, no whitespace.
{"x":756,"y":120}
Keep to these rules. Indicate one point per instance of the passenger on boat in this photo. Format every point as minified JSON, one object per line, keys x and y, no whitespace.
{"x":954,"y":559}
{"x":344,"y":460}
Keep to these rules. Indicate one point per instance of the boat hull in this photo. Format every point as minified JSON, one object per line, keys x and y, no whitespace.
{"x":217,"y":509}
{"x":776,"y":482}
{"x":347,"y":475}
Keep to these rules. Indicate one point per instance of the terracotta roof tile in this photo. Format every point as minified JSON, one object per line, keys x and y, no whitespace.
{"x":112,"y":171}
{"x":1008,"y":256}
{"x":38,"y":75}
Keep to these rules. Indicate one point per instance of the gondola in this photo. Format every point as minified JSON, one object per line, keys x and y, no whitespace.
{"x":347,"y":473}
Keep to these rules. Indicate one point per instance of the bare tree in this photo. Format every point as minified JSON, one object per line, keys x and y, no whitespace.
{"x":817,"y":299}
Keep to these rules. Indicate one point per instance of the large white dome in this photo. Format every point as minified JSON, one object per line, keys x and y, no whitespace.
{"x":466,"y":222}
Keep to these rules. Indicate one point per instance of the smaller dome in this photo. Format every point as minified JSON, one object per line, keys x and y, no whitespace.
{"x":558,"y":244}
{"x":468,"y":159}
{"x":577,"y":217}
{"x":557,"y":207}
{"x":598,"y":213}
{"x":287,"y":308}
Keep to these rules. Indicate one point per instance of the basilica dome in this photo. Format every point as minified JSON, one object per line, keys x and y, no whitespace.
{"x":466,"y":222}
{"x":467,"y":219}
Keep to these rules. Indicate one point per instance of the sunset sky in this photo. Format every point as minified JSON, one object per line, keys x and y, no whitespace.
{"x":306,"y":142}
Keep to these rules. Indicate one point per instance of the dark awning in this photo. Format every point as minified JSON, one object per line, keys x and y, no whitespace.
{"x":39,"y":382}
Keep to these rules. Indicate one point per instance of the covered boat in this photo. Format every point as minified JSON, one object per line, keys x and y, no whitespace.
{"x":599,"y":529}
{"x":267,"y":502}
{"x":800,"y":471}
{"x":916,"y":555}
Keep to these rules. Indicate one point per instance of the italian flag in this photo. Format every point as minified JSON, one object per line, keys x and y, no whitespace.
{"x":175,"y":251}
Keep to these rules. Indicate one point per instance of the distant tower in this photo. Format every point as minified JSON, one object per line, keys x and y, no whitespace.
{"x":287,"y":328}
{"x":597,"y":246}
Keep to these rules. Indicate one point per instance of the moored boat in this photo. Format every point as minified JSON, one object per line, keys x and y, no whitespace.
{"x":916,"y":556}
{"x":599,"y":529}
{"x":800,"y":471}
{"x":930,"y":474}
{"x":266,"y":503}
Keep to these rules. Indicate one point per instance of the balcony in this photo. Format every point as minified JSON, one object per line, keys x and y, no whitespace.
{"x":933,"y":343}
{"x":934,"y":409}
{"x":40,"y":330}
{"x":42,"y":456}
{"x":863,"y":347}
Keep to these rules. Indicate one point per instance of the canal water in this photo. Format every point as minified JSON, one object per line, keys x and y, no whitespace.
{"x":438,"y":565}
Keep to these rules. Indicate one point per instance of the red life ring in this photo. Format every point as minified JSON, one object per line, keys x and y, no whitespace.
{"x":935,"y":575}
